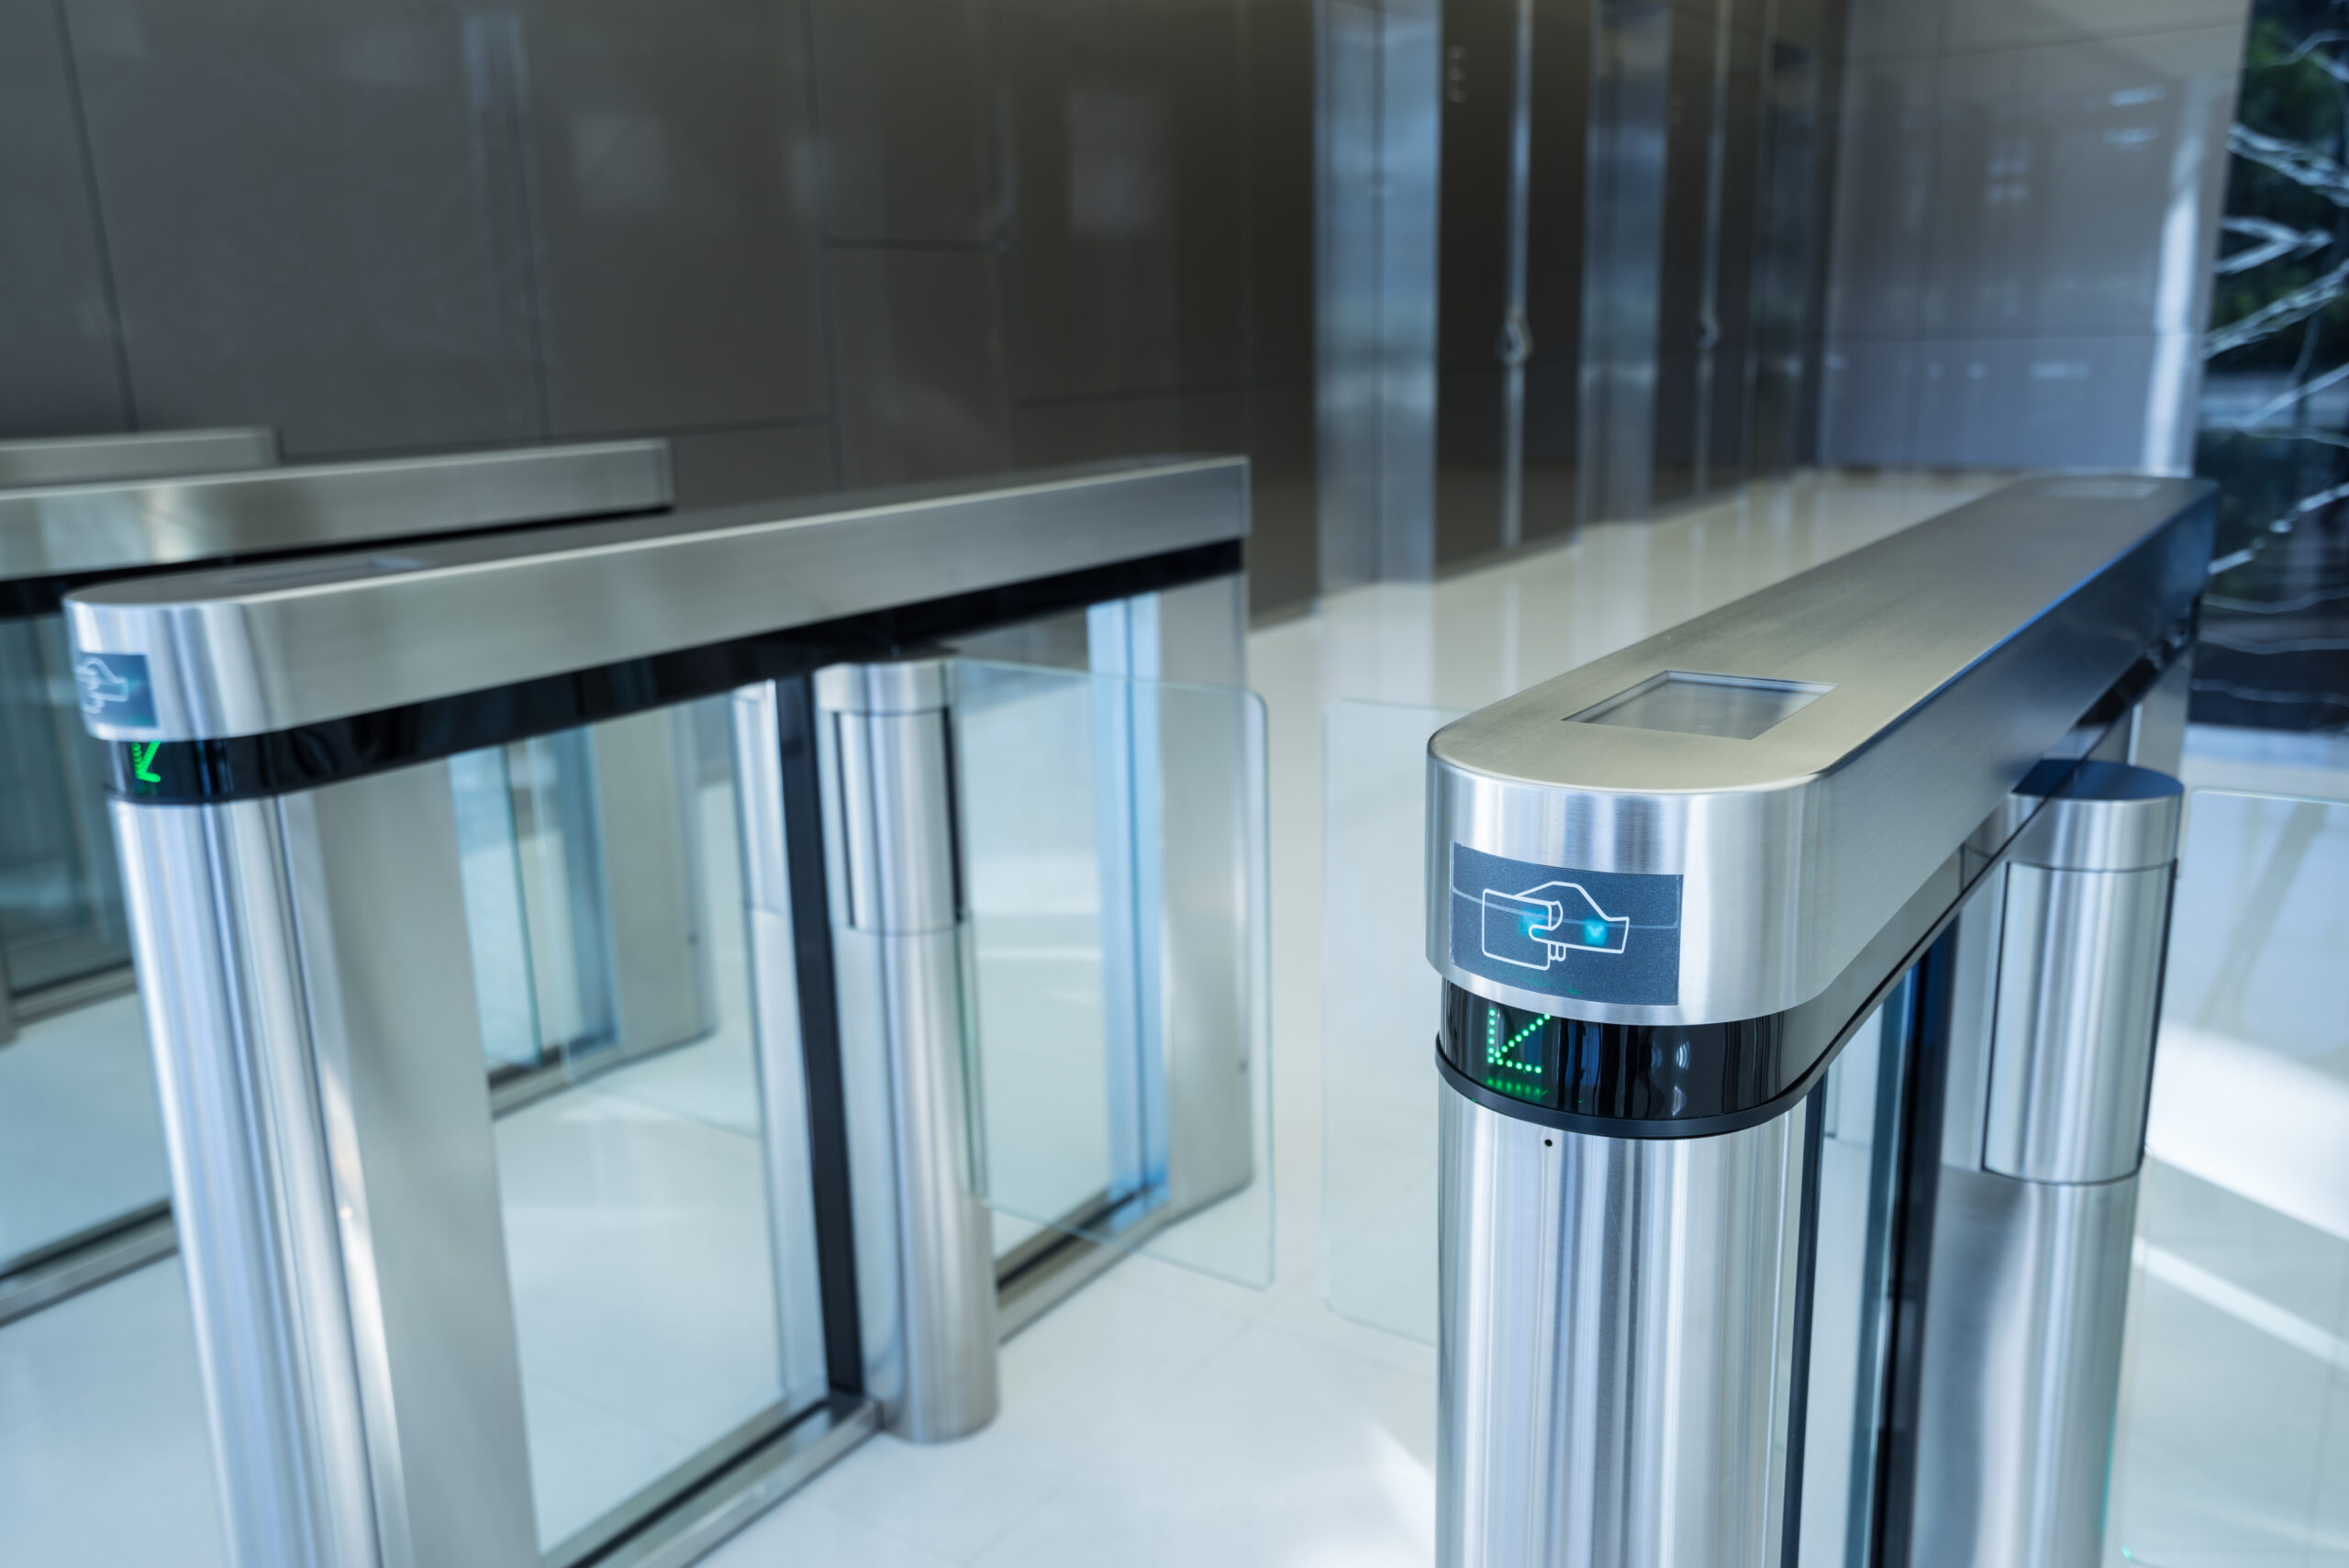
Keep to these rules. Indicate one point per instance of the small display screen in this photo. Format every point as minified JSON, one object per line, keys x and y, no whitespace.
{"x":1507,"y":1050}
{"x":1729,"y":708}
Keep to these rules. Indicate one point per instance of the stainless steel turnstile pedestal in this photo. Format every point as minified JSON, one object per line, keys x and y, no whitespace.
{"x":1664,"y":891}
{"x":2038,"y":1186}
{"x":925,"y":1251}
{"x":1618,"y":1340}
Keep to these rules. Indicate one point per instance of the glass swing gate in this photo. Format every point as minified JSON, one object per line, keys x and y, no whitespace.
{"x":1800,"y":971}
{"x":615,"y":1058}
{"x":83,"y":1187}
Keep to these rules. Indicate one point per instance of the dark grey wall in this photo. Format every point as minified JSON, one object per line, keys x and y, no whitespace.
{"x":816,"y":243}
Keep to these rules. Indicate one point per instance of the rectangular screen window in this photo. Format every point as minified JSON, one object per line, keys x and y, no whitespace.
{"x":1733,"y":707}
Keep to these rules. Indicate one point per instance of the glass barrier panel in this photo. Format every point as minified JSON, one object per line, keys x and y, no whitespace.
{"x":654,"y":1291}
{"x":1379,"y":1004}
{"x":1113,"y":847}
{"x":81,"y":1143}
{"x":2232,"y":1443}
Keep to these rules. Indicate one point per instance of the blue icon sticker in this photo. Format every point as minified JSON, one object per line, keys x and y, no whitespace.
{"x":1596,"y":936}
{"x":114,"y":689}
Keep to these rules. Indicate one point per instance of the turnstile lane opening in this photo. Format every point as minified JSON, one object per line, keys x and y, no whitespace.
{"x":75,"y":1082}
{"x":768,"y":1222}
{"x":1717,"y":994}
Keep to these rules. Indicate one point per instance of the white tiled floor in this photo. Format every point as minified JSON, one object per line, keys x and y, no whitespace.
{"x":1163,"y":1418}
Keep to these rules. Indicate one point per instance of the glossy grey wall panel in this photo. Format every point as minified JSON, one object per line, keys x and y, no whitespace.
{"x":1979,"y":164}
{"x":397,"y":225}
{"x":913,"y":119}
{"x":1680,"y":279}
{"x":1868,"y":406}
{"x":2007,"y":24}
{"x":256,"y":284}
{"x":1882,"y":207}
{"x":673,"y":171}
{"x":2028,"y":208}
{"x":59,"y":371}
{"x":1127,"y":270}
{"x":921,"y":364}
{"x":718,"y":468}
{"x":1555,"y":215}
{"x":1278,"y":152}
{"x":2132,"y":137}
{"x":1476,"y":243}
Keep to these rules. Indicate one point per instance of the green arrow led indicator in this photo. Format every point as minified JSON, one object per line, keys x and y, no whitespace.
{"x":142,"y":756}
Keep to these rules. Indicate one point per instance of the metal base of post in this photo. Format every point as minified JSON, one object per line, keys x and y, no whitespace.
{"x":1618,"y":1340}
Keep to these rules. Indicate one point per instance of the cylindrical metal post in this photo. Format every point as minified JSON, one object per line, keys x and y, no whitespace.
{"x":1617,"y":1335}
{"x":2030,"y":1277}
{"x":891,"y":854}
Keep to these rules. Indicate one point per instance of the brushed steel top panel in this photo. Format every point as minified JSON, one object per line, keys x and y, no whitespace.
{"x":150,"y":454}
{"x":64,"y":530}
{"x":1959,"y":653}
{"x":252,"y":649}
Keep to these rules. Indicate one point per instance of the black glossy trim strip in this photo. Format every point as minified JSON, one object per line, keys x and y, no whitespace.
{"x":1626,"y":1128}
{"x":820,"y":1034}
{"x":188,"y":773}
{"x":1925,"y":1100}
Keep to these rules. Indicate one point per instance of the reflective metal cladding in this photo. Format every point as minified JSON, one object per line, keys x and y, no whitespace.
{"x":250,"y":650}
{"x":1798,"y":765}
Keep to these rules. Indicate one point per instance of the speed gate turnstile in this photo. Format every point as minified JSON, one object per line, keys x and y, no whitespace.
{"x":94,"y":509}
{"x":300,"y":905}
{"x":1885,"y":809}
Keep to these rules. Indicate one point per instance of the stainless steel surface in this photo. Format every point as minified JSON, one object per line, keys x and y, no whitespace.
{"x":1631,"y":41}
{"x":113,"y":528}
{"x":2072,"y":1041}
{"x":2111,"y":816}
{"x":251,"y":1179}
{"x":1959,"y":653}
{"x":333,"y":1173}
{"x":2079,"y":982}
{"x":888,"y":799}
{"x":776,"y":1034}
{"x":2055,"y":984}
{"x":240,"y":652}
{"x":1378,"y":111}
{"x":377,"y":897}
{"x":151,"y":455}
{"x":1617,"y":1352}
{"x":2021,"y":1371}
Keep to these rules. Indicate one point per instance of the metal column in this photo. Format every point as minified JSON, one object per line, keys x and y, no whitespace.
{"x":2043,"y":1138}
{"x":1618,"y":1341}
{"x":898,"y":939}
